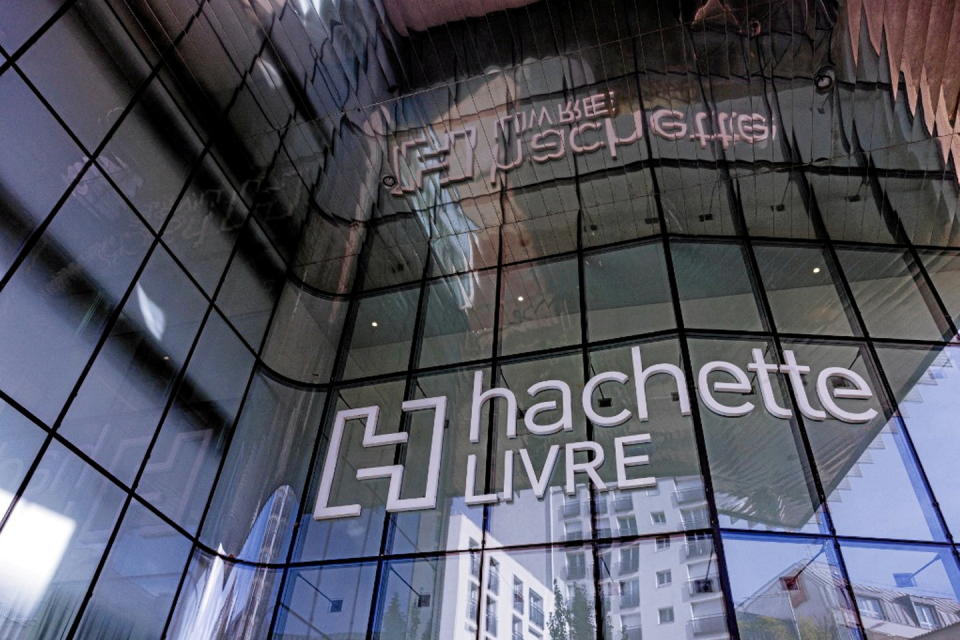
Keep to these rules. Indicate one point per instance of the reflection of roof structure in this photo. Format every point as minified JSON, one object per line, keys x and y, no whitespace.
{"x":808,"y":593}
{"x":919,"y":39}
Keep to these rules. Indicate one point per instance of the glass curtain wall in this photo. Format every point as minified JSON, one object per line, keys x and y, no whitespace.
{"x":224,"y":224}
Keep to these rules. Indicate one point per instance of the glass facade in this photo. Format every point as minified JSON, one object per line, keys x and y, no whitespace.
{"x":488,"y":319}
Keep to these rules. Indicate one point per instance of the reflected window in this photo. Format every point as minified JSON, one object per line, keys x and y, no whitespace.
{"x":894,"y":301}
{"x":905,"y":590}
{"x":788,"y":586}
{"x":329,"y":601}
{"x":458,"y":325}
{"x":627,"y":292}
{"x":801,"y":290}
{"x":714,"y":286}
{"x":539,"y":306}
{"x":382,"y":333}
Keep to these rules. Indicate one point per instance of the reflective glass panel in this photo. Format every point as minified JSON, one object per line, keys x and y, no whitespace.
{"x":761,"y":475}
{"x":801,"y":290}
{"x":258,"y":494}
{"x":539,"y":306}
{"x":361,"y":535}
{"x":122,"y":397}
{"x":19,"y":442}
{"x":668,"y":494}
{"x":51,"y":545}
{"x":54,"y":308}
{"x":788,"y":588}
{"x":459,"y":318}
{"x":453,"y":523}
{"x":869,"y":475}
{"x":925,"y":384}
{"x":627,"y":292}
{"x":893,"y":301}
{"x":139,"y":579}
{"x":331,"y":601}
{"x":903,"y":590}
{"x":183,"y":463}
{"x":220,"y":598}
{"x":662,"y":589}
{"x":382,"y":333}
{"x":715,"y":288}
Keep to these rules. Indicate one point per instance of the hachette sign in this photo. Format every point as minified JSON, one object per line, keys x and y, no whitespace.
{"x":550,"y":132}
{"x":718,"y":396}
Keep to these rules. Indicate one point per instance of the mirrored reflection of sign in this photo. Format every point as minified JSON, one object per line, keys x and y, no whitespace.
{"x":547,"y":133}
{"x":718,"y":385}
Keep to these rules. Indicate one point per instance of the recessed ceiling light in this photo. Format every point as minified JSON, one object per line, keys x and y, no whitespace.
{"x":374,"y":324}
{"x":816,"y":269}
{"x":166,"y":357}
{"x":519,"y":298}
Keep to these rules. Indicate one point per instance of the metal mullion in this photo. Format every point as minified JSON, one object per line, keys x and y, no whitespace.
{"x":585,"y":373}
{"x":491,"y":428}
{"x":703,"y":460}
{"x":408,"y":393}
{"x":330,"y":403}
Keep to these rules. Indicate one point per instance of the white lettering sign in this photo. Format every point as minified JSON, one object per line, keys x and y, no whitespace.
{"x":585,"y":458}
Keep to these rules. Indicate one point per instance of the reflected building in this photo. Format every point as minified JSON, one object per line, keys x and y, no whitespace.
{"x":479,"y":319}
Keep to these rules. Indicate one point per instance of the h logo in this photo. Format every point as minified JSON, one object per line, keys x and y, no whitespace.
{"x":323,"y":511}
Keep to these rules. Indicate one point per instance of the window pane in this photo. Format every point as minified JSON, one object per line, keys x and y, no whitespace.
{"x":150,"y":154}
{"x":254,"y":280}
{"x":893,"y":303}
{"x":182,"y":465}
{"x":304,"y":334}
{"x":559,"y":581}
{"x":56,"y":305}
{"x":715,"y":289}
{"x":790,"y":589}
{"x":205,"y":225}
{"x":83,"y":67}
{"x":627,"y":292}
{"x":539,"y":306}
{"x":136,"y":587}
{"x":20,"y":440}
{"x":695,"y":200}
{"x":350,"y":537}
{"x":926,"y":385}
{"x":801,"y":290}
{"x":228,"y":597}
{"x":121,"y":400}
{"x":382,"y":333}
{"x":51,"y":544}
{"x":864,"y":466}
{"x":905,"y":591}
{"x":944,"y":270}
{"x":256,"y":500}
{"x":332,"y":601}
{"x":426,"y":598}
{"x":761,"y":477}
{"x":459,"y":319}
{"x":452,"y":524}
{"x":640,"y":579}
{"x":31,"y":139}
{"x":523,"y":519}
{"x":675,"y":500}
